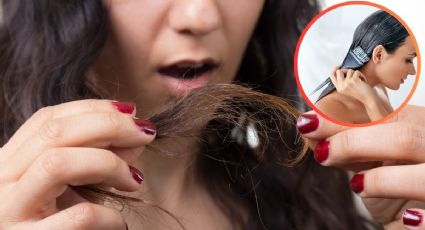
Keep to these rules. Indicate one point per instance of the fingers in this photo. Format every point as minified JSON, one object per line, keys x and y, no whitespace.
{"x":355,"y":75}
{"x":361,"y":148}
{"x":130,"y":155}
{"x":358,"y":75}
{"x":391,"y":141}
{"x":316,"y":128}
{"x":413,"y":219}
{"x":402,"y":182}
{"x":94,"y":130}
{"x":100,"y":130}
{"x":33,"y":124}
{"x":349,"y":73}
{"x":52,"y":172}
{"x":83,"y":216}
{"x":340,"y":77}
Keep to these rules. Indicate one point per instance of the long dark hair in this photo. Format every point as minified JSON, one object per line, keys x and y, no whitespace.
{"x":379,"y":28}
{"x":47,"y":47}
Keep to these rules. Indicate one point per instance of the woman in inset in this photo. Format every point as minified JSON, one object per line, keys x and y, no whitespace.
{"x":61,"y":155}
{"x":380,"y":56}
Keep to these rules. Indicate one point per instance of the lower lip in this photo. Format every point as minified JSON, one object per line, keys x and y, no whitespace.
{"x":179,"y":87}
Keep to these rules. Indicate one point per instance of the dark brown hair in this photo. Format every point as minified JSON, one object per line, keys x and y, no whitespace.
{"x":47,"y":47}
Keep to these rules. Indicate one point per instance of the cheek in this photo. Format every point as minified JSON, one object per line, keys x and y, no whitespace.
{"x":131,"y":34}
{"x":238,"y":25}
{"x":385,"y":76}
{"x":241,"y":21}
{"x":392,"y":72}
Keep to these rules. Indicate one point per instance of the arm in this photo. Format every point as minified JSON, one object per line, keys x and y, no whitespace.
{"x":375,"y":108}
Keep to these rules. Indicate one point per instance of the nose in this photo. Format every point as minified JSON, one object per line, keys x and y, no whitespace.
{"x":412,"y":70}
{"x":197,"y":17}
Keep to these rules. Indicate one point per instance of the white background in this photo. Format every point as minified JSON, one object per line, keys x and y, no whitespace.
{"x":327,"y":41}
{"x":412,"y":12}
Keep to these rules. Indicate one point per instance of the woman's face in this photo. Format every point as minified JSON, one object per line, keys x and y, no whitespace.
{"x":394,"y":68}
{"x":159,"y":49}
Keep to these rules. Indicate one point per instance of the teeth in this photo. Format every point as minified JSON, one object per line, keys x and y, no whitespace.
{"x":199,"y":65}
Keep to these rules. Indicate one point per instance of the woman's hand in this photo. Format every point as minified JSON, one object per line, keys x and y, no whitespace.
{"x":352,"y":83}
{"x":71,"y":144}
{"x":389,"y":161}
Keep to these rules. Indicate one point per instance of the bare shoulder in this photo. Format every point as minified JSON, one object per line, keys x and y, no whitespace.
{"x":335,"y":108}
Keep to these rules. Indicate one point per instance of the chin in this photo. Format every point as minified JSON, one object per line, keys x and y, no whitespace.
{"x":396,"y":87}
{"x":392,"y":86}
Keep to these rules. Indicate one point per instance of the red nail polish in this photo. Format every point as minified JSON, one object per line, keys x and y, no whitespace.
{"x":321,"y":152}
{"x":412,"y":218}
{"x":124,"y":107}
{"x":146,"y":126}
{"x":307,"y":123}
{"x":357,"y":183}
{"x":137,"y":175}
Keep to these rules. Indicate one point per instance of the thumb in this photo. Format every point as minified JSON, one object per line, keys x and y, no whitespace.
{"x":413,"y":219}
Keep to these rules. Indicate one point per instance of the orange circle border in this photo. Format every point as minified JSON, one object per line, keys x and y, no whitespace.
{"x":323,"y":12}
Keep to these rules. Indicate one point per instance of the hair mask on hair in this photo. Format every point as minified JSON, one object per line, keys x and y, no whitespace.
{"x":380,"y":28}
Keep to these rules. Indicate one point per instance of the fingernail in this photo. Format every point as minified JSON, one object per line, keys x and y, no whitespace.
{"x":412,"y":218}
{"x":321,"y":152}
{"x":357,"y":183}
{"x":137,"y":175}
{"x":307,"y":123}
{"x":146,"y":126}
{"x":124,"y":107}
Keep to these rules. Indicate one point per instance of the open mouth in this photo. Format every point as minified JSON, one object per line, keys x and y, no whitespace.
{"x":187,"y":70}
{"x":183,"y":76}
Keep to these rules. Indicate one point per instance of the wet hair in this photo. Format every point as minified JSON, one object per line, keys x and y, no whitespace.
{"x":379,"y":28}
{"x":48,"y":46}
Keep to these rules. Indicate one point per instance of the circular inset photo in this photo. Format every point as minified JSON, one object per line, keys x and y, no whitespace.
{"x":357,"y":63}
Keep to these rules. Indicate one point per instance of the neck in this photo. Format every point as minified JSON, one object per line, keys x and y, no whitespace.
{"x":170,"y":183}
{"x":169,"y":176}
{"x":369,"y":72}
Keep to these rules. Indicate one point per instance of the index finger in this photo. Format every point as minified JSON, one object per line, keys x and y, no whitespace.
{"x":34,"y":123}
{"x":315,"y":127}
